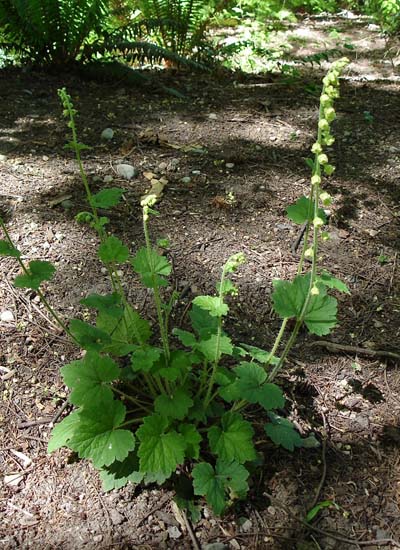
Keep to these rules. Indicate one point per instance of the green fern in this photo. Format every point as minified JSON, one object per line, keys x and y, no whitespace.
{"x":59,"y":32}
{"x":52,"y":31}
{"x":181,"y":23}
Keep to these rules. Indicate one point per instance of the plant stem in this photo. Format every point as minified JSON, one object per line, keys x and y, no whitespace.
{"x":313,"y":210}
{"x":130,"y":398}
{"x":207,"y":398}
{"x":156,"y":290}
{"x":38,"y":291}
{"x":132,"y":421}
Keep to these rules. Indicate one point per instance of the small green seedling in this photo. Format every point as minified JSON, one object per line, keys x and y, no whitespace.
{"x":368,"y":117}
{"x":383,"y":259}
{"x":320,"y":506}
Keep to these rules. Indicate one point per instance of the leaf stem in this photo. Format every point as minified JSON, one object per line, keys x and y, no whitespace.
{"x":131,"y":398}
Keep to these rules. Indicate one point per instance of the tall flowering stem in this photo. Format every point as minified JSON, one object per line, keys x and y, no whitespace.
{"x":320,"y":167}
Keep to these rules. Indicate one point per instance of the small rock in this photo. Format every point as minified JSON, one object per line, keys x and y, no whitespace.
{"x":212,"y":116}
{"x":174,"y":532}
{"x":126,"y":171}
{"x":162,"y":166}
{"x":67,"y":204}
{"x":97,"y":179}
{"x":45,"y":158}
{"x":247,"y":525}
{"x":196,"y":172}
{"x":3,"y":158}
{"x":214,"y":546}
{"x":7,"y":316}
{"x":186,"y":179}
{"x":107,"y":134}
{"x":230,"y":165}
{"x":97,"y":538}
{"x":108,"y":179}
{"x":13,"y":480}
{"x":115,"y":517}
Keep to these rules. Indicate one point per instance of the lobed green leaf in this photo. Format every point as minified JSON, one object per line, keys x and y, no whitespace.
{"x":6,"y":249}
{"x":282,"y":432}
{"x":152,"y":267}
{"x":176,"y":405}
{"x":332,"y":282}
{"x":125,"y":333}
{"x":38,"y":271}
{"x":118,"y":474}
{"x":88,"y":336}
{"x":144,"y":358}
{"x":303,"y":211}
{"x":63,"y":432}
{"x":89,"y":378}
{"x":289,"y":298}
{"x":112,"y":250}
{"x":107,"y":198}
{"x":214,"y":348}
{"x":213,"y":304}
{"x":252,"y":387}
{"x":213,"y":484}
{"x":160,"y":451}
{"x":192,"y":440}
{"x":233,"y":440}
{"x":98,"y":436}
{"x":108,"y":303}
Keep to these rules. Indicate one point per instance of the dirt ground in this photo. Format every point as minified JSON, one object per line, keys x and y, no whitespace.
{"x":233,"y":152}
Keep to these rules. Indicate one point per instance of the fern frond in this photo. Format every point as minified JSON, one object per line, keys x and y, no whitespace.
{"x":139,"y":52}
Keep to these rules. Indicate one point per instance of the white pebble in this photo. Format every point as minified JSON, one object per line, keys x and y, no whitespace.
{"x":6,"y":316}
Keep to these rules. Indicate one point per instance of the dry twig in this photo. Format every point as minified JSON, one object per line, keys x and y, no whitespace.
{"x":332,"y":346}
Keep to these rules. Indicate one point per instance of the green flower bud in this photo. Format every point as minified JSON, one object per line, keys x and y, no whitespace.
{"x":309,"y":253}
{"x":325,"y":236}
{"x":330,"y":114}
{"x":316,"y":148}
{"x":315,"y":290}
{"x":329,"y":140}
{"x":318,"y":222}
{"x":326,"y":199}
{"x":331,"y":92}
{"x":316,"y":179}
{"x":323,"y":124}
{"x":325,"y":100}
{"x":234,"y":262}
{"x":329,"y":169}
{"x":323,"y":159}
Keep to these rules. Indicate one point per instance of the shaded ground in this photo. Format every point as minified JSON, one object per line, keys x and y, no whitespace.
{"x":255,"y":133}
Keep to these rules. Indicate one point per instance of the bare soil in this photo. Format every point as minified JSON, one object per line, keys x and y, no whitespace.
{"x":240,"y":142}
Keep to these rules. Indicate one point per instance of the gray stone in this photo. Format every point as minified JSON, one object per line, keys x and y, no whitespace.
{"x":115,"y":517}
{"x":174,"y":532}
{"x":3,"y":158}
{"x":67,"y":204}
{"x":107,"y":134}
{"x":126,"y":171}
